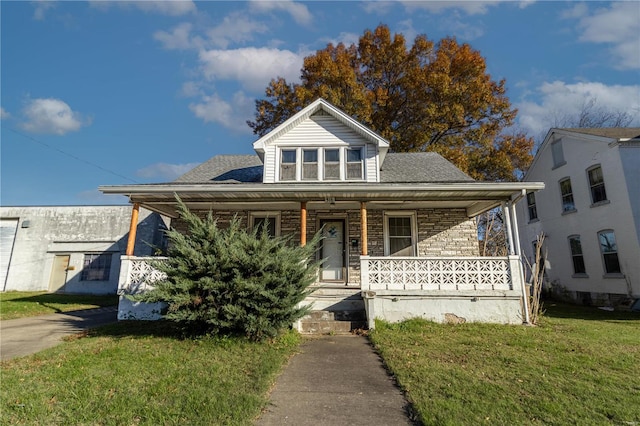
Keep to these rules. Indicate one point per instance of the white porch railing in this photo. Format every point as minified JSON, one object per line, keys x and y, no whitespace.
{"x":137,"y":274}
{"x":440,"y":273}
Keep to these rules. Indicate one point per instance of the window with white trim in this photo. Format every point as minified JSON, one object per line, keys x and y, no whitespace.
{"x":609,"y":250}
{"x":310,"y":164}
{"x":332,"y":164}
{"x":288,"y":164}
{"x":567,"y":195}
{"x":576,"y":255}
{"x":96,"y":267}
{"x":265,"y":220}
{"x":355,"y":163}
{"x":596,"y":184}
{"x":399,"y":234}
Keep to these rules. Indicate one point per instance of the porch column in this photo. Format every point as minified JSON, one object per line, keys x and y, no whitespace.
{"x":507,"y":219}
{"x":303,"y":223}
{"x":516,"y":234}
{"x":133,"y":227}
{"x":516,"y":237}
{"x":363,"y":228}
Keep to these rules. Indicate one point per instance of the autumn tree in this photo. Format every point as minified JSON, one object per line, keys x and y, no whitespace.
{"x":426,"y":97}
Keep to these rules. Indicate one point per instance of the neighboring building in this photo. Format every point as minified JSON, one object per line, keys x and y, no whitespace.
{"x":589,"y":212}
{"x":70,"y":249}
{"x":399,"y":235}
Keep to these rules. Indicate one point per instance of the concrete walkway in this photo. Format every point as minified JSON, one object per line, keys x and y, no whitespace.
{"x":25,"y":336}
{"x":336,"y":380}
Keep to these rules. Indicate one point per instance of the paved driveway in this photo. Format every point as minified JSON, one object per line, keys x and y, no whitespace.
{"x":25,"y":336}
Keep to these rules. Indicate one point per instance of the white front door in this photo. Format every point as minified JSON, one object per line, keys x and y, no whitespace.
{"x":333,"y":250}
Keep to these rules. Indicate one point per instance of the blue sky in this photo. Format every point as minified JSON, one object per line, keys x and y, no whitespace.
{"x":100,"y":93}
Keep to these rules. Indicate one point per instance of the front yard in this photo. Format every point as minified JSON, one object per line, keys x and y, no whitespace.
{"x":133,"y":373}
{"x":20,"y":304}
{"x":580,"y":366}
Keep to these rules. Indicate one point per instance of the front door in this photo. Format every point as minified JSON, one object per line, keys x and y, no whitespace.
{"x":333,"y":250}
{"x":59,"y":272}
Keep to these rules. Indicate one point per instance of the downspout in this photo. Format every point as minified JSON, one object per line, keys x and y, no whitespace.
{"x":516,"y":237}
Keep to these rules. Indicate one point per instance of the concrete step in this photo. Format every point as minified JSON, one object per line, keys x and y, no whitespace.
{"x":330,"y":327}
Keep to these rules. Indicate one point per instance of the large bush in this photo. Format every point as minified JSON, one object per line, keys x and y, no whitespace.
{"x":232,"y":281}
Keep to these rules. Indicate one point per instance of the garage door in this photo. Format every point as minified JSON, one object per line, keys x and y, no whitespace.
{"x":7,"y":235}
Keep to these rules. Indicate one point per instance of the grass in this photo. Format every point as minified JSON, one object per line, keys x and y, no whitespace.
{"x":20,"y":304}
{"x":140,"y":373}
{"x":579,"y":366}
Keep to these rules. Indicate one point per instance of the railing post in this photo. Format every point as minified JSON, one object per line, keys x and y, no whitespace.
{"x":364,"y":273}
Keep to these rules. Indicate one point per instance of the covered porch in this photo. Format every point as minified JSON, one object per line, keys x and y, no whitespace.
{"x":438,"y":276}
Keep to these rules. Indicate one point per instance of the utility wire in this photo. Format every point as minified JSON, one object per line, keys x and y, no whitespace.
{"x":82,"y":160}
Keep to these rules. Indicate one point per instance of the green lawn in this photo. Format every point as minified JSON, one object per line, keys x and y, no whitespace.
{"x":580,"y":366}
{"x":20,"y":304}
{"x":139,"y":373}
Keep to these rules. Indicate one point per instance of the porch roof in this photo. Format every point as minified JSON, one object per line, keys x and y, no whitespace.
{"x":475,"y":197}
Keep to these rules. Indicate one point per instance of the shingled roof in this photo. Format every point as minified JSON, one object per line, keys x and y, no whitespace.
{"x":608,"y":132}
{"x":427,"y":167}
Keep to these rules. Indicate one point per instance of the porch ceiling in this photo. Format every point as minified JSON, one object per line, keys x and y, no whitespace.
{"x":475,"y":197}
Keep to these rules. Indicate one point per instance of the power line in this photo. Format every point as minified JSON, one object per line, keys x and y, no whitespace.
{"x":82,"y":160}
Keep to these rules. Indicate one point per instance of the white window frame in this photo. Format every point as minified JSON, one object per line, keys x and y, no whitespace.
{"x":264,"y":215}
{"x":317,"y":163}
{"x":414,"y":230}
{"x":532,"y":206}
{"x":86,"y":272}
{"x":591,"y":185}
{"x":573,"y":200}
{"x":321,"y":150}
{"x":616,"y":252}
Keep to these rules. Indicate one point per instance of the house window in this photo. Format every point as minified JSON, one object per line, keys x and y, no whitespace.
{"x":310,"y":164}
{"x":288,"y":165}
{"x":96,"y":267}
{"x":354,"y":163}
{"x":331,"y":164}
{"x":596,"y":182}
{"x":609,"y":250}
{"x":576,"y":255}
{"x":567,"y":195}
{"x":399,"y":234}
{"x":531,"y":206}
{"x":268,"y":220}
{"x":557,"y":154}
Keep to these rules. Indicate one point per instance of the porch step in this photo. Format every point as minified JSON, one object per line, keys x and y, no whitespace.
{"x":332,"y":322}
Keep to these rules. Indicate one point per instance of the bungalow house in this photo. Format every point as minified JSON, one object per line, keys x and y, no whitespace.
{"x":400,"y":238}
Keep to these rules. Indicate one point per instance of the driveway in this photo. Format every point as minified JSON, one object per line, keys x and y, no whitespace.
{"x":25,"y":336}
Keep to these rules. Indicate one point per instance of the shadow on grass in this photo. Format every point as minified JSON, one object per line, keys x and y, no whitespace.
{"x":565,"y":310}
{"x":49,"y":300}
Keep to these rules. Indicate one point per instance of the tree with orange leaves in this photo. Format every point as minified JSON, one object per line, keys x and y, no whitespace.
{"x":429,"y":97}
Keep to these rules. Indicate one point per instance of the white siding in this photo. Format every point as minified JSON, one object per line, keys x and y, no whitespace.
{"x":269,"y":174}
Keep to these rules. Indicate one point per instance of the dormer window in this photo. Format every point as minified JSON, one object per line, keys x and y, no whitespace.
{"x":288,"y":164}
{"x":310,"y":164}
{"x":354,"y":163}
{"x":332,"y":164}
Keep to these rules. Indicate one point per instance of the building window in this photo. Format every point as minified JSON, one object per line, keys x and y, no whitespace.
{"x":332,"y":164}
{"x":288,"y":165}
{"x":596,"y":182}
{"x":96,"y":267}
{"x":567,"y":195}
{"x":399,"y":234}
{"x":310,"y":164}
{"x":557,"y":154}
{"x":576,"y":255}
{"x":354,"y":163}
{"x":268,"y":220}
{"x":609,"y":250}
{"x":531,"y":206}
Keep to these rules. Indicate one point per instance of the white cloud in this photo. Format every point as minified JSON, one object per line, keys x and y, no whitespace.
{"x":298,"y":11}
{"x":179,"y":38}
{"x":51,"y":116}
{"x":469,"y":7}
{"x":232,"y":115}
{"x":345,"y":38}
{"x":378,"y":7}
{"x":4,"y":114}
{"x":165,"y":170}
{"x":42,"y":6}
{"x":237,"y":28}
{"x":617,"y":26}
{"x":253,"y":67}
{"x":163,"y":7}
{"x":559,"y":99}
